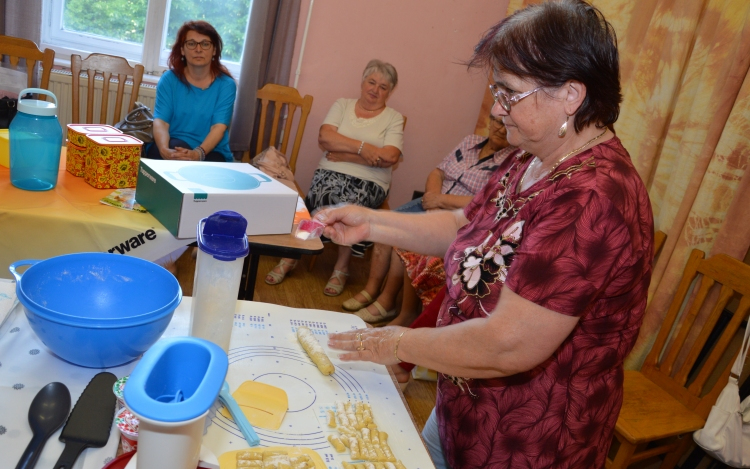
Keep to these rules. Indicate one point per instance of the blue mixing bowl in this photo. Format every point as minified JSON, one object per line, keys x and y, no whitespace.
{"x":97,"y":309}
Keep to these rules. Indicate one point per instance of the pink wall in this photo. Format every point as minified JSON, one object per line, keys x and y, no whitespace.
{"x":424,"y":40}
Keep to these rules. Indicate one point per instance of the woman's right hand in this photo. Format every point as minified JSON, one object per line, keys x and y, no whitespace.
{"x":167,"y":153}
{"x":345,"y":225}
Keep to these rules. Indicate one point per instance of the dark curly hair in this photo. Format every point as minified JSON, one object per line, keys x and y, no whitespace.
{"x":556,"y":41}
{"x":175,"y":57}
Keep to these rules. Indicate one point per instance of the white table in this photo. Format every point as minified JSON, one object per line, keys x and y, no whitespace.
{"x":263,"y":348}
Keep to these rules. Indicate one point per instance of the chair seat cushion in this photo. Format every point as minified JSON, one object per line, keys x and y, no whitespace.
{"x":649,"y":412}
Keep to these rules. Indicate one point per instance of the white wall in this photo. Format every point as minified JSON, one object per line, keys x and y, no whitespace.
{"x":425,"y":40}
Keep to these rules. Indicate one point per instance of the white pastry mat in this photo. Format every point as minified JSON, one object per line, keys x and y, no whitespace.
{"x":264,"y":348}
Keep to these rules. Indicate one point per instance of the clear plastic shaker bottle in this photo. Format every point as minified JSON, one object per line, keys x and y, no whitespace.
{"x":222,"y":247}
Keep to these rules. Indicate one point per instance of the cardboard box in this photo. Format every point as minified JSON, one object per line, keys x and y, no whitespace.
{"x":180,"y":193}
{"x":112,"y":161}
{"x":4,"y":148}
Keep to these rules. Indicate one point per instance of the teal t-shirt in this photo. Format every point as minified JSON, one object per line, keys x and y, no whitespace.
{"x":191,"y":111}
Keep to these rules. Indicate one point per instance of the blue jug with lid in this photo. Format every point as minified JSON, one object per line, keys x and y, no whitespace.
{"x":35,"y":143}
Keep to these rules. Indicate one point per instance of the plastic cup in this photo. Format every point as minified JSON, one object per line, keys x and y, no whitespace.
{"x":118,"y":388}
{"x":128,"y":424}
{"x":170,"y":444}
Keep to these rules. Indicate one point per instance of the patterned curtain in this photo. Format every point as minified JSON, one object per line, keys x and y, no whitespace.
{"x":685,"y":120}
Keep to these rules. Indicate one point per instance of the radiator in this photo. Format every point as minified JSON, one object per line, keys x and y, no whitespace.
{"x":60,"y":83}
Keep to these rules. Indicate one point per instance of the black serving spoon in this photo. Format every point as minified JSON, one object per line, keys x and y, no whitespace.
{"x":47,"y":414}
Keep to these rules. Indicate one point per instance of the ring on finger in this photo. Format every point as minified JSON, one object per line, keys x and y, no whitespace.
{"x":361,"y":345}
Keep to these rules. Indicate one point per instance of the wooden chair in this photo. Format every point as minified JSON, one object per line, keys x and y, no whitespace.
{"x":107,"y":66}
{"x":659,"y":238}
{"x":282,"y":96}
{"x":16,"y":48}
{"x":384,"y":205}
{"x":671,"y":396}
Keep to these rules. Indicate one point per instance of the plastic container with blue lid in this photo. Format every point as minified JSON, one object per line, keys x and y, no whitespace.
{"x":171,"y":391}
{"x":222,"y":247}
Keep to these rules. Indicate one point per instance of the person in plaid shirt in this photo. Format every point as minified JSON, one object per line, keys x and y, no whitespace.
{"x":461,"y":174}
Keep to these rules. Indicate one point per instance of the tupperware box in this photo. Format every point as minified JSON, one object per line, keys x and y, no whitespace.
{"x":78,"y":143}
{"x":112,"y":161}
{"x":180,"y":193}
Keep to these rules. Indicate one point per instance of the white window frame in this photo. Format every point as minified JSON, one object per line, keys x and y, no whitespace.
{"x":150,"y":54}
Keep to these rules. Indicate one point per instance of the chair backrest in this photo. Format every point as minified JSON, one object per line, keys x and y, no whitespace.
{"x":673,"y":362}
{"x":16,"y":48}
{"x":659,"y":238}
{"x":283,"y":96}
{"x":108,"y":66}
{"x":384,"y":205}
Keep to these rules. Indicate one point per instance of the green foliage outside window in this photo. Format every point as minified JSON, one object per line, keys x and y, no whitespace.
{"x":125,"y":20}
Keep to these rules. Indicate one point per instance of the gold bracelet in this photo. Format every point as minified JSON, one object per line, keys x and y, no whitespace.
{"x":395,"y":350}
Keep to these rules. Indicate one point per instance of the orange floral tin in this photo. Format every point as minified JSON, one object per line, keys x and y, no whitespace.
{"x":75,"y":161}
{"x":112,"y":161}
{"x":78,"y":144}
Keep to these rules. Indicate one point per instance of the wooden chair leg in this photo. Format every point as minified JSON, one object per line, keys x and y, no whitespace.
{"x":623,"y":455}
{"x":671,"y":459}
{"x":312,"y":263}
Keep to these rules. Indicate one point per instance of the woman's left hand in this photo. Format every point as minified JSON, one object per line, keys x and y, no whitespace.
{"x":186,"y":154}
{"x":375,"y":345}
{"x":376,"y":157}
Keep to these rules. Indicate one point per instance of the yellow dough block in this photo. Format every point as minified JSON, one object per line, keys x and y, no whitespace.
{"x":228,"y":460}
{"x":263,"y":405}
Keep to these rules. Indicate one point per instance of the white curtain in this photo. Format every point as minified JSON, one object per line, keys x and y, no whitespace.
{"x":23,"y":18}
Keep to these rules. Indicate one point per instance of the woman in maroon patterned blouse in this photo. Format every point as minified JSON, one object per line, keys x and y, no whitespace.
{"x":547,"y":268}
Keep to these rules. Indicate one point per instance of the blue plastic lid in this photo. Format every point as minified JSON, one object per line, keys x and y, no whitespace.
{"x":223,"y":235}
{"x":178,"y":379}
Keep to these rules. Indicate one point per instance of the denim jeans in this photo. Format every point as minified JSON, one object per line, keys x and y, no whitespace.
{"x":413,"y":206}
{"x":431,"y":437}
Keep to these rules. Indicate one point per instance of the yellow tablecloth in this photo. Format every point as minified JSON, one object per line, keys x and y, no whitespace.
{"x":70,"y":218}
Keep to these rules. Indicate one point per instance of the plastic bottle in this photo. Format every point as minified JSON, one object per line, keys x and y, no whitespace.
{"x":35,"y":143}
{"x":222,"y":245}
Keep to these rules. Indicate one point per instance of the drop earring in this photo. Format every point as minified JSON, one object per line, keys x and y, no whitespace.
{"x":183,"y":59}
{"x":563,"y":129}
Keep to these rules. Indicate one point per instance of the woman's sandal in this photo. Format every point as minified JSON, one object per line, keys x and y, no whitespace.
{"x":337,"y":289}
{"x":353,"y":305}
{"x":372,"y":319}
{"x":275,"y":278}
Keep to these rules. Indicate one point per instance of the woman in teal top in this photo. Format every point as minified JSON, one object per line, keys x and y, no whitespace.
{"x":194,"y":99}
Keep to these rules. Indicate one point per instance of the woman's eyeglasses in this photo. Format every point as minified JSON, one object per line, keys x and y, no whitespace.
{"x":205,"y":45}
{"x":505,"y":100}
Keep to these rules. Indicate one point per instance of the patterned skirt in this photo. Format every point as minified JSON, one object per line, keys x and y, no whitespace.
{"x":332,"y":188}
{"x":426,"y":273}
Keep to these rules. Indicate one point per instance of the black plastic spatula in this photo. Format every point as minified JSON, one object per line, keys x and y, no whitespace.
{"x":91,"y":420}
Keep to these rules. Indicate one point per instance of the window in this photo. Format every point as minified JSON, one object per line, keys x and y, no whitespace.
{"x":140,"y":30}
